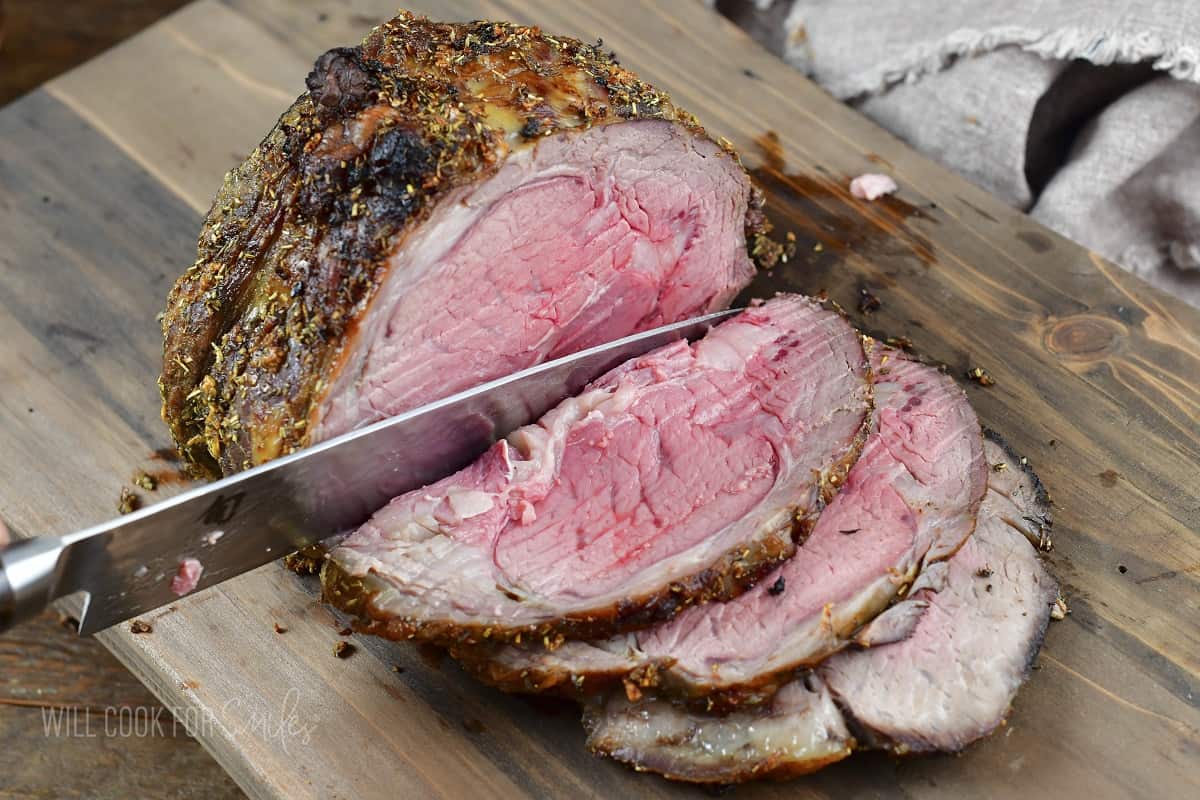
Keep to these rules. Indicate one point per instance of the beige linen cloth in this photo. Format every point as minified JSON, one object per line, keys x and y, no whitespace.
{"x":1084,"y":114}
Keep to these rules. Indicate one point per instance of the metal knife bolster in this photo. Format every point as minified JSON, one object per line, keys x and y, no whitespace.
{"x":29,"y":573}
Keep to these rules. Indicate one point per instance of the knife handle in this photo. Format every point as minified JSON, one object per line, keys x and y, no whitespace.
{"x":29,"y":572}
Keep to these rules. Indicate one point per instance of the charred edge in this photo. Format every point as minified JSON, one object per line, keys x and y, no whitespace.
{"x":1041,"y":503}
{"x":1041,"y":496}
{"x":479,"y":659}
{"x":1034,"y":648}
{"x":1039,"y":636}
{"x":735,"y":572}
{"x":340,"y":83}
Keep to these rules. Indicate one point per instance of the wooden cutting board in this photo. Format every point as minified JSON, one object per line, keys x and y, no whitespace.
{"x":104,"y":176}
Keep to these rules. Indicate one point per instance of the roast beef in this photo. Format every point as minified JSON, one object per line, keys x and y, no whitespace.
{"x":447,"y":203}
{"x":909,"y":501}
{"x":949,"y":683}
{"x":678,"y":477}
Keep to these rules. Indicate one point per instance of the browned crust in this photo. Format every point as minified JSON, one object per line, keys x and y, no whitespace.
{"x":307,"y":560}
{"x":735,"y":572}
{"x":295,"y":245}
{"x":480,"y":662}
{"x":478,"y":659}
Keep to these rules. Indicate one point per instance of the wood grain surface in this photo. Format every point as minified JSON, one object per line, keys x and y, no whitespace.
{"x":103,"y":179}
{"x":74,"y":723}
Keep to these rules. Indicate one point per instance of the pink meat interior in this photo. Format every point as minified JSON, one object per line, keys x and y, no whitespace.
{"x":581,"y":239}
{"x":673,"y":484}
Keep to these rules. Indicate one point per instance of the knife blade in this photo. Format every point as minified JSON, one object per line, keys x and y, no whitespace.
{"x":125,"y":567}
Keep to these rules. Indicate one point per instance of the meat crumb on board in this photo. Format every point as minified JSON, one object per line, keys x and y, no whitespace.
{"x":343,"y":649}
{"x":187,"y":578}
{"x":137,"y":626}
{"x":128,"y":502}
{"x":868,"y":302}
{"x":980,"y":376}
{"x":872,"y":186}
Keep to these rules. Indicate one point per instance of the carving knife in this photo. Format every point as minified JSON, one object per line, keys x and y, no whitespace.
{"x":125,"y":567}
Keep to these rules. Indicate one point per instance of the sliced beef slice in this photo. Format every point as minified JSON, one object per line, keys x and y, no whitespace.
{"x":800,"y":731}
{"x":677,"y":477}
{"x":947,"y":684}
{"x":952,"y":680}
{"x":909,"y":501}
{"x":446,"y":204}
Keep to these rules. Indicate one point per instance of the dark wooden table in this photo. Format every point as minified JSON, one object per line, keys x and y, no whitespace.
{"x":75,"y":723}
{"x":65,"y":702}
{"x":1097,"y":382}
{"x":40,"y":39}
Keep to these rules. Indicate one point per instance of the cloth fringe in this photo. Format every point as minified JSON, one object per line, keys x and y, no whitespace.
{"x":1181,"y":61}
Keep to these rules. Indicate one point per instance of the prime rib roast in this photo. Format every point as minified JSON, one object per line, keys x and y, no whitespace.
{"x":445,"y":205}
{"x":748,"y":555}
